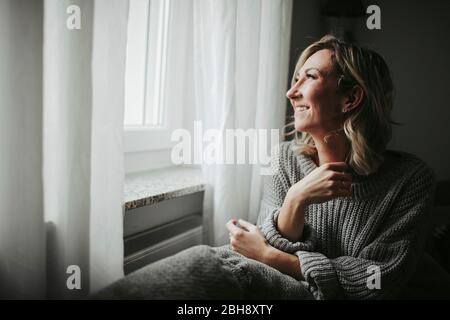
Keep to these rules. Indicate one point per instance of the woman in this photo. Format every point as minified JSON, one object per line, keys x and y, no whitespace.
{"x":342,"y":217}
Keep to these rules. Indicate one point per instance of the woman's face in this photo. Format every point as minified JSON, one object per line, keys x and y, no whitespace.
{"x":314,"y":96}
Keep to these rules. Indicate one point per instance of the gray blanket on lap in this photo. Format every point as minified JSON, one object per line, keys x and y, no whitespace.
{"x":204,"y":272}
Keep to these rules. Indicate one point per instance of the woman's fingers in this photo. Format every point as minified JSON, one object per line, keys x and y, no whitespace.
{"x":336,"y":166}
{"x":341,"y":176}
{"x":232,"y":228}
{"x":246,"y":225}
{"x":237,"y":231}
{"x":324,"y":183}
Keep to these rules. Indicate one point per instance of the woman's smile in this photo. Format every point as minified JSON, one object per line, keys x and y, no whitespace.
{"x":300,"y":109}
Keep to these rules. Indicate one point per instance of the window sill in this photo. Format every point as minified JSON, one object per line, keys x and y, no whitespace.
{"x":150,"y":187}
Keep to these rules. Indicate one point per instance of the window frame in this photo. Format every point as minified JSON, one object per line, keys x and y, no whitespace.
{"x":146,"y":137}
{"x":145,"y":144}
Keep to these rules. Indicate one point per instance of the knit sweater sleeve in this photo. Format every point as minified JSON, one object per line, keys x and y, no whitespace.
{"x":276,"y":187}
{"x":393,"y":253}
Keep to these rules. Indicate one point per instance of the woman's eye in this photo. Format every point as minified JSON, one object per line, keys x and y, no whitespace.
{"x":308,"y":75}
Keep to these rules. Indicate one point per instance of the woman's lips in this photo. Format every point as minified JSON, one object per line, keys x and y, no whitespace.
{"x":300,"y":109}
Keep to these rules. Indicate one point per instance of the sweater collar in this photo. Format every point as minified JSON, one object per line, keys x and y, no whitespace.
{"x":362,"y":186}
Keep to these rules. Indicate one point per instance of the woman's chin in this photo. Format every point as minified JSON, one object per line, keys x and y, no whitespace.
{"x":301,"y":127}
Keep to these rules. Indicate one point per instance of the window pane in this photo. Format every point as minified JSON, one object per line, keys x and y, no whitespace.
{"x":146,"y":62}
{"x":156,"y":66}
{"x":135,"y":62}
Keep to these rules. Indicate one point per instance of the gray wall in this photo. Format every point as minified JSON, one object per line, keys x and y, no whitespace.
{"x":21,"y":214}
{"x":414,"y":41}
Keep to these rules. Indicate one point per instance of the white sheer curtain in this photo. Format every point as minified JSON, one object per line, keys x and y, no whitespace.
{"x":62,"y":94}
{"x":241,"y":57}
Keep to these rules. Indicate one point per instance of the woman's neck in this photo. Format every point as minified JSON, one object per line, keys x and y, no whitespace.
{"x":335,"y":149}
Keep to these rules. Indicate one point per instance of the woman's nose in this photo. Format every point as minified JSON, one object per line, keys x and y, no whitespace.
{"x":293,"y":92}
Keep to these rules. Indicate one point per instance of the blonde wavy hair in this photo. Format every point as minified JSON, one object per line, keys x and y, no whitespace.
{"x":367,"y":127}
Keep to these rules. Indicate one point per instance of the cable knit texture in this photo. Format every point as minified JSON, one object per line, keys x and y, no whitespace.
{"x":383,"y":224}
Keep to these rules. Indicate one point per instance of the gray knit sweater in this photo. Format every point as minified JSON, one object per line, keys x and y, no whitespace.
{"x":383,"y":224}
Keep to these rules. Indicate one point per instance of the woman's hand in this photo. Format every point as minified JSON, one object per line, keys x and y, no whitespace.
{"x":324,"y":183}
{"x":248,"y":240}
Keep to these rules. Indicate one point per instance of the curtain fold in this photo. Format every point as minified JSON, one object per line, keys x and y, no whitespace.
{"x":107,"y":163}
{"x":67,"y":110}
{"x":62,"y":127}
{"x":83,"y":154}
{"x":241,"y":57}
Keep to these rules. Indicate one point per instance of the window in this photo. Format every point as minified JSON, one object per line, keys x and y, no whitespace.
{"x":151,"y":113}
{"x":146,"y":63}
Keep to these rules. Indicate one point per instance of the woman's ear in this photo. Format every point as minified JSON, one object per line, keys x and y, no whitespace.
{"x":353,"y":98}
